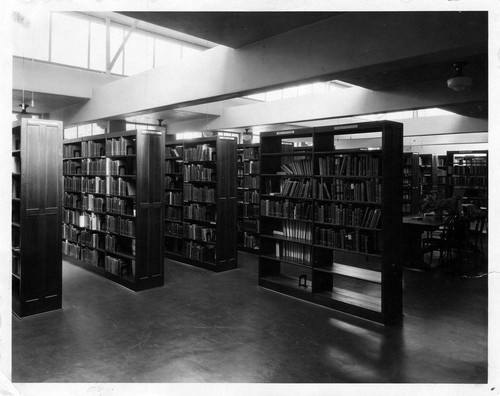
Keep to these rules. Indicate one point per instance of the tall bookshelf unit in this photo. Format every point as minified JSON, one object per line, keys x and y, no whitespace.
{"x":36,"y":216}
{"x":174,"y":187}
{"x":441,"y":176}
{"x":411,"y":186}
{"x":468,"y":176}
{"x":113,"y":206}
{"x":201,"y":211}
{"x":248,"y":197}
{"x":427,"y":174}
{"x":331,"y":217}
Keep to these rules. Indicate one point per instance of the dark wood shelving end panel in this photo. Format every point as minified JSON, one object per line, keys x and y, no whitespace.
{"x":37,"y":286}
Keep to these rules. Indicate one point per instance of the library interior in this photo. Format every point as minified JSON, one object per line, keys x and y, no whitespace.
{"x":249,"y":197}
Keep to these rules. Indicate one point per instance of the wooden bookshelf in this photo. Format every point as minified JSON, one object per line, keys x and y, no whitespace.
{"x":467,"y":173}
{"x":331,"y":201}
{"x":248,"y":197}
{"x":411,"y":183}
{"x":427,"y":174}
{"x":113,"y":206}
{"x":174,"y":187}
{"x":201,"y":212}
{"x":36,"y":216}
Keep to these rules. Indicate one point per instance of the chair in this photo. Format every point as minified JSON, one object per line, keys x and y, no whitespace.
{"x":477,"y":233}
{"x":459,"y":253}
{"x":435,"y":241}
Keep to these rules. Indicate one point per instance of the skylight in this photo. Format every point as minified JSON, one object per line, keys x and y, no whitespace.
{"x":299,"y":90}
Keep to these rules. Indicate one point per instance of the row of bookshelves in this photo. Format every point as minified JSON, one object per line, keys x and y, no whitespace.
{"x":200,"y":194}
{"x":100,"y":185}
{"x":250,"y":197}
{"x":99,"y":222}
{"x":249,"y":182}
{"x":201,"y":152}
{"x":349,"y":165}
{"x":97,"y":167}
{"x":458,"y":173}
{"x":85,"y":149}
{"x":249,"y":153}
{"x":348,"y":215}
{"x":251,"y":167}
{"x":340,"y":226}
{"x":118,"y":266}
{"x":248,"y":210}
{"x":298,"y":167}
{"x":100,"y":219}
{"x":121,"y":146}
{"x":197,"y":172}
{"x":175,"y":152}
{"x":286,"y":209}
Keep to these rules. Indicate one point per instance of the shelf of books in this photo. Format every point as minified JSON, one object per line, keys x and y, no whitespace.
{"x":113,"y":206}
{"x":331,"y":201}
{"x":200,"y":190}
{"x":36,"y":216}
{"x":468,"y":176}
{"x":248,"y":197}
{"x":411,"y":183}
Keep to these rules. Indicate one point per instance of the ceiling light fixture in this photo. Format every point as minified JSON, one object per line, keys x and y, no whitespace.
{"x":23,"y":113}
{"x":247,"y":135}
{"x":458,"y":81}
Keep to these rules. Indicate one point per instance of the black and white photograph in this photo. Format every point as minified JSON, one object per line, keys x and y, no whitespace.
{"x":249,"y":198}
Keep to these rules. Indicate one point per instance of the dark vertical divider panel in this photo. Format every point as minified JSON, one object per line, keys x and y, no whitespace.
{"x":149,"y":235}
{"x":226,"y":207}
{"x":150,"y":147}
{"x":392,"y":278}
{"x":39,"y":258}
{"x":231,"y":197}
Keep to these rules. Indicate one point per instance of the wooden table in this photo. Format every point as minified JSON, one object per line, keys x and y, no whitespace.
{"x":413,"y":227}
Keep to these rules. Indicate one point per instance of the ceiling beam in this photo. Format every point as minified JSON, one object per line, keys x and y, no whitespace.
{"x":342,"y":103}
{"x":326,"y":50}
{"x":54,"y":79}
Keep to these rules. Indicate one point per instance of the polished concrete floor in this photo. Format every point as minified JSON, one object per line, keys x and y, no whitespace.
{"x":207,"y":327}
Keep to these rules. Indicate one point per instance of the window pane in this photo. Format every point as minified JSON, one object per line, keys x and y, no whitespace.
{"x":71,"y":133}
{"x":189,"y":51}
{"x":259,"y":96}
{"x":138,"y":53}
{"x":97,"y":46}
{"x":31,"y":35}
{"x":274,"y":95}
{"x":305,"y":89}
{"x":69,"y":40}
{"x":289,"y":92}
{"x":84,"y":130}
{"x":165,"y":51}
{"x":188,"y":135}
{"x":116,"y":39}
{"x":97,"y":129}
{"x":319,"y":87}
